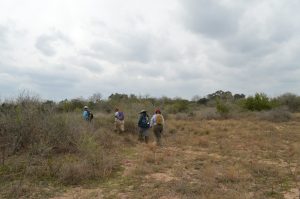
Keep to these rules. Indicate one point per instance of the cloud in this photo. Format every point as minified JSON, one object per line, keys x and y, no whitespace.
{"x":47,"y":43}
{"x":3,"y":35}
{"x":124,"y":47}
{"x":173,"y":48}
{"x":210,"y":18}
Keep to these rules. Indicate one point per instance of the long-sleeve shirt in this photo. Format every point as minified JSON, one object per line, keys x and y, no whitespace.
{"x":86,"y":115}
{"x":117,"y":116}
{"x":153,"y":120}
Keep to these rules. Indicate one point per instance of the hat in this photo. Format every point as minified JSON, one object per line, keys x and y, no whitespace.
{"x":85,"y":107}
{"x":143,"y":111}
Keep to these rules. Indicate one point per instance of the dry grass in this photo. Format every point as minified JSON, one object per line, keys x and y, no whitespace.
{"x":246,"y":158}
{"x":233,"y":158}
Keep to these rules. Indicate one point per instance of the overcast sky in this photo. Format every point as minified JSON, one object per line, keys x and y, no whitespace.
{"x":69,"y":48}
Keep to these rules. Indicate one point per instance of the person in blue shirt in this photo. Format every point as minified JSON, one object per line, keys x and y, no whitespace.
{"x":87,"y":114}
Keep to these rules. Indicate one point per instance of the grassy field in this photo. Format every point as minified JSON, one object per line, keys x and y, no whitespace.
{"x":245,"y":157}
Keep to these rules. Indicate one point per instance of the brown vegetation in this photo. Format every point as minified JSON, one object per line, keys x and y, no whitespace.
{"x":54,"y":154}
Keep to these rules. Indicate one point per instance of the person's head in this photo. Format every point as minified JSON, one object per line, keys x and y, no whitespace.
{"x":85,"y":107}
{"x":157,"y":111}
{"x":116,"y":109}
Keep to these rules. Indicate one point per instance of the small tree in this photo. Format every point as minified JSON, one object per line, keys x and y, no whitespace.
{"x":203,"y":101}
{"x":96,"y":97}
{"x":222,"y":108}
{"x":258,"y":103}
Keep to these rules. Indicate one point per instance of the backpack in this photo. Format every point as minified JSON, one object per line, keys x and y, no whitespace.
{"x":159,"y":119}
{"x":143,"y":122}
{"x":121,"y":116}
{"x":87,"y":115}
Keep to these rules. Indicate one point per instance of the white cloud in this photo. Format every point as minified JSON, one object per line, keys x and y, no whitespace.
{"x":47,"y":43}
{"x":63,"y":49}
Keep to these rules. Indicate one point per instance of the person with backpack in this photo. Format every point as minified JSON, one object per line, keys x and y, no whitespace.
{"x":143,"y":125}
{"x":87,"y":114}
{"x":157,"y":122}
{"x":119,"y":121}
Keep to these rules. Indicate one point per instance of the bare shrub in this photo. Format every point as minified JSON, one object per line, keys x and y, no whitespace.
{"x":28,"y":125}
{"x":103,"y":121}
{"x":182,"y":116}
{"x":275,"y":115}
{"x":290,"y":100}
{"x":72,"y":173}
{"x":209,"y":114}
{"x":94,"y":162}
{"x":61,"y":132}
{"x":131,"y":126}
{"x":21,"y":119}
{"x":106,"y":139}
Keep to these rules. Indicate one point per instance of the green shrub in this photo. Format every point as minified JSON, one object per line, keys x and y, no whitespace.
{"x":222,"y":108}
{"x":258,"y":103}
{"x":178,"y":106}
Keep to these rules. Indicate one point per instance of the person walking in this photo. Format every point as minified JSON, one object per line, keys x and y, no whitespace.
{"x":119,"y":121}
{"x":143,"y":125}
{"x":87,"y":114}
{"x":157,"y":122}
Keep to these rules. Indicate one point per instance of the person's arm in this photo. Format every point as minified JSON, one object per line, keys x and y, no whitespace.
{"x":163,"y":119}
{"x":152,"y":121}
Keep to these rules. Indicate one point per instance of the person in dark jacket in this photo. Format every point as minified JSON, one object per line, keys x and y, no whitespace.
{"x":144,"y":126}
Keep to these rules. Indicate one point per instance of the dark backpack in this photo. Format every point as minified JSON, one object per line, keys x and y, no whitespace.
{"x":121,"y":116}
{"x":143,"y":122}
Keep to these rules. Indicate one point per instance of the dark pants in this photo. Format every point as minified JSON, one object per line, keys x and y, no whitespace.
{"x":157,"y":129}
{"x":143,"y":135}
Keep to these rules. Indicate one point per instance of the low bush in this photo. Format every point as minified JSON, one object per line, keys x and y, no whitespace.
{"x":290,"y":100}
{"x":222,"y":109}
{"x":183,"y":116}
{"x":209,"y":113}
{"x":275,"y":115}
{"x":257,"y":103}
{"x":178,"y":106}
{"x":131,"y":126}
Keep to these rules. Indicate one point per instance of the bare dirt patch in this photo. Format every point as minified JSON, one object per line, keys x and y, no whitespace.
{"x":163,"y":177}
{"x":292,"y":194}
